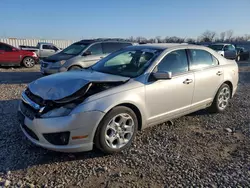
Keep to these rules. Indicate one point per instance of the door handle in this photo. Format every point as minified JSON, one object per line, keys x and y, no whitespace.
{"x":219,"y":73}
{"x":187,"y":81}
{"x":1,"y":52}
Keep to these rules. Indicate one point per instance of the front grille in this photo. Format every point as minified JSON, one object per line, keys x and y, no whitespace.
{"x":29,"y":132}
{"x":28,"y":111}
{"x":36,"y":99}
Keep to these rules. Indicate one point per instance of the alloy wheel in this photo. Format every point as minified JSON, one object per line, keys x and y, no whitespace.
{"x":223,"y":98}
{"x":29,"y":62}
{"x":119,"y":131}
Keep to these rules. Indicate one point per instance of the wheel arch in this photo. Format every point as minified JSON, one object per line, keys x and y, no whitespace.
{"x":21,"y":63}
{"x":135,"y":110}
{"x":75,"y":65}
{"x":230,"y":85}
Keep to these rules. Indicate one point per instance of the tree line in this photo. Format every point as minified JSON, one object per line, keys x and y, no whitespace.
{"x":207,"y":36}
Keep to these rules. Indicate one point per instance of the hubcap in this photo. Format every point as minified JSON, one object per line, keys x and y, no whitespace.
{"x":29,"y":62}
{"x":223,"y":98}
{"x":119,"y":131}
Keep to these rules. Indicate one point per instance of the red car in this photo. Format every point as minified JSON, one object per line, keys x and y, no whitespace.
{"x":11,"y":56}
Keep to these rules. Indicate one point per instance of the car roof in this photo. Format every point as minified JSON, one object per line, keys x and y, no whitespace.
{"x":164,"y":46}
{"x":90,"y":41}
{"x":220,"y":44}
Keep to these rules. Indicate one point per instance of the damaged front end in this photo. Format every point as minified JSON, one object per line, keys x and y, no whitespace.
{"x":34,"y":106}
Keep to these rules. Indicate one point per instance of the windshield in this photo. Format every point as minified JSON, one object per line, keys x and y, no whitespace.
{"x":216,"y":47}
{"x":75,"y":49}
{"x":127,"y":62}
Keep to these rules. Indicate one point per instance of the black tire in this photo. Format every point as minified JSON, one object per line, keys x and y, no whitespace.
{"x":29,"y":62}
{"x":74,"y":67}
{"x":216,"y":106}
{"x":100,"y":136}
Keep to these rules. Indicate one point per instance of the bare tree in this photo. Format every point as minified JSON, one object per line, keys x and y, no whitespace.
{"x":158,"y":39}
{"x":229,"y":35}
{"x":222,"y":36}
{"x":208,"y":36}
{"x":131,"y":39}
{"x":247,"y":37}
{"x":190,"y":40}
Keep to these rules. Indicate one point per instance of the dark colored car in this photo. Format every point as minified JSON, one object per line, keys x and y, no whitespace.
{"x":11,"y":56}
{"x":242,"y":54}
{"x":226,"y":50}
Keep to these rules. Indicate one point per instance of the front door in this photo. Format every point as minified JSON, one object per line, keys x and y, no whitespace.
{"x":166,"y":99}
{"x":96,"y":54}
{"x":230,"y":52}
{"x":9,"y":55}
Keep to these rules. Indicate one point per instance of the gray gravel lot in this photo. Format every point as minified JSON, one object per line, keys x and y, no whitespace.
{"x":199,"y":150}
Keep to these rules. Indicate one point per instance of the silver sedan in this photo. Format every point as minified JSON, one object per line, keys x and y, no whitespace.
{"x":127,"y":91}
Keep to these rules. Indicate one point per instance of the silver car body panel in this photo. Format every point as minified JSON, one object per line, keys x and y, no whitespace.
{"x":156,"y":101}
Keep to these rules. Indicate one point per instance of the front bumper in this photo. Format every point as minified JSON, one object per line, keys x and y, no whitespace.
{"x":51,"y":68}
{"x":79,"y":125}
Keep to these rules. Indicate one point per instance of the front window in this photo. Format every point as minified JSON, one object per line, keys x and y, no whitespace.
{"x":95,"y":49}
{"x":175,"y":62}
{"x":216,"y":47}
{"x":129,"y":63}
{"x":75,"y":49}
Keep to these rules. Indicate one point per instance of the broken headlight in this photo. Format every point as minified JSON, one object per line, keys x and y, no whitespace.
{"x":61,"y":111}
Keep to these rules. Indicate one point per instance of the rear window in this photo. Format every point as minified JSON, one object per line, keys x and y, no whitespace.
{"x":202,"y":59}
{"x":216,"y":47}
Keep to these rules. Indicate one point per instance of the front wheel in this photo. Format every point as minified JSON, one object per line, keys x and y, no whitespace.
{"x":28,"y":62}
{"x":221,"y":99}
{"x":117,"y":130}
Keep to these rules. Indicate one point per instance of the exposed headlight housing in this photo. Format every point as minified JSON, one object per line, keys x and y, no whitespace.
{"x":59,"y":112}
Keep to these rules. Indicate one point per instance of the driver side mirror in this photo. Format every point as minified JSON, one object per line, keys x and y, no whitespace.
{"x":86,"y":53}
{"x":162,"y":75}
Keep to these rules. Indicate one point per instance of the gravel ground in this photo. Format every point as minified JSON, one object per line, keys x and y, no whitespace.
{"x":199,"y":150}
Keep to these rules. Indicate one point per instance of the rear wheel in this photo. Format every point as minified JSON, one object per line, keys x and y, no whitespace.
{"x":221,"y":99}
{"x":28,"y":62}
{"x":117,"y":130}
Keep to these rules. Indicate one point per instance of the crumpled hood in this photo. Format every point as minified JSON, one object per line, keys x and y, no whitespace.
{"x":61,"y":85}
{"x":58,"y":57}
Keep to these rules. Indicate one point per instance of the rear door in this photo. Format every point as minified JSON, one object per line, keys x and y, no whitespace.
{"x":9,"y":55}
{"x":208,"y":76}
